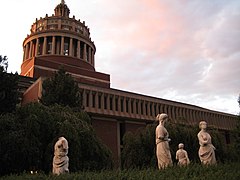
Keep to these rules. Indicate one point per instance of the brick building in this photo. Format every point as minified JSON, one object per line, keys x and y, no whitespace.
{"x":60,"y":40}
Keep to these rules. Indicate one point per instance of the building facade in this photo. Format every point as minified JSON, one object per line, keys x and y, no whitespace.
{"x":59,"y":40}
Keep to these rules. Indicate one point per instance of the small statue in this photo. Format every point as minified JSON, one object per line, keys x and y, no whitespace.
{"x":207,"y":150}
{"x":182,"y":156}
{"x":162,"y":147}
{"x":60,"y":159}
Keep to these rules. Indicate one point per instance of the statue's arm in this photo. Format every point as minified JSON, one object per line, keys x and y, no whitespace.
{"x":177,"y":155}
{"x":202,"y":141}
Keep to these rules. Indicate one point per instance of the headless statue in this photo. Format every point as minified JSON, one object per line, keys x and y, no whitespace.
{"x":60,"y":159}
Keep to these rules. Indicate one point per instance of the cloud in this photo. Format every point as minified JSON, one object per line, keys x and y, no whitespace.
{"x":178,"y":50}
{"x":185,"y":51}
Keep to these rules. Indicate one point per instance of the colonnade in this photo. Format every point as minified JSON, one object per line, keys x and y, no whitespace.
{"x":59,"y":45}
{"x":130,"y":105}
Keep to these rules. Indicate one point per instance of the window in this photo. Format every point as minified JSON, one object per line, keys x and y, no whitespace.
{"x":66,"y":49}
{"x":49,"y":48}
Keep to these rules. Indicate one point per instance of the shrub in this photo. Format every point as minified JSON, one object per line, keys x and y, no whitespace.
{"x":29,"y":135}
{"x":139,"y":148}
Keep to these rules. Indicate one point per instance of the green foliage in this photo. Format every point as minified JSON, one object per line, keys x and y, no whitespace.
{"x":61,"y":89}
{"x":193,"y":171}
{"x":3,"y":63}
{"x":187,"y":135}
{"x":237,"y":133}
{"x":27,"y":139}
{"x":9,"y":95}
{"x":139,"y":149}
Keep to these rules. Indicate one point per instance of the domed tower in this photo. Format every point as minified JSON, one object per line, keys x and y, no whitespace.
{"x":59,"y":40}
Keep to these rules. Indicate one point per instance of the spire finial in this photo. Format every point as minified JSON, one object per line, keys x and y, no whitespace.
{"x":62,"y":2}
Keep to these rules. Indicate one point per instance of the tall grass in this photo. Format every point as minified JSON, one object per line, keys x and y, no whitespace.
{"x":230,"y":171}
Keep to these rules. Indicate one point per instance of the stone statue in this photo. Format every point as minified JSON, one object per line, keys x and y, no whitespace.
{"x":60,"y":159}
{"x":162,"y":147}
{"x":182,"y":156}
{"x":207,"y":150}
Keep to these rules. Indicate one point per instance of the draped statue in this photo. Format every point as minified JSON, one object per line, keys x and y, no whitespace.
{"x":60,"y":159}
{"x":162,"y":147}
{"x":207,"y":150}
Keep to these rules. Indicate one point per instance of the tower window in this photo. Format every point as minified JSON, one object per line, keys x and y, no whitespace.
{"x":49,"y":48}
{"x":66,"y":49}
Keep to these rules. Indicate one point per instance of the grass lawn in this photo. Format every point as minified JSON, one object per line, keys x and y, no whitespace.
{"x":229,"y":171}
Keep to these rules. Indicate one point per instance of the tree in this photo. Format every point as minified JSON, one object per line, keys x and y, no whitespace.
{"x":139,"y":150}
{"x":3,"y":63}
{"x":27,"y":140}
{"x":61,"y":89}
{"x":237,"y":134}
{"x":9,"y":95}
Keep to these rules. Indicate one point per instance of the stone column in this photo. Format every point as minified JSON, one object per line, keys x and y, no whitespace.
{"x":30,"y":51}
{"x":148,"y":108}
{"x":113,"y":103}
{"x":187,"y":115}
{"x":37,"y":48}
{"x":108,"y":101}
{"x":134,"y":106}
{"x":92,"y":58}
{"x":24,"y":53}
{"x":173,"y":113}
{"x":144,"y":108}
{"x":154,"y":109}
{"x":158,"y":109}
{"x":96,"y":100}
{"x":165,"y":109}
{"x":90,"y":99}
{"x":78,"y":49}
{"x":139,"y":107}
{"x":53,"y":45}
{"x":124,"y":105}
{"x":89,"y":55}
{"x":161,"y":108}
{"x":102,"y":100}
{"x":191,"y":116}
{"x":71,"y":47}
{"x":44,"y":45}
{"x":184,"y":113}
{"x":93,"y":61}
{"x":84,"y":98}
{"x":27,"y":51}
{"x":85,"y":52}
{"x":194,"y":116}
{"x":129,"y":106}
{"x":62,"y":46}
{"x":119,"y":104}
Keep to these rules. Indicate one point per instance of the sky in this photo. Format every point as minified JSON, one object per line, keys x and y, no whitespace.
{"x":181,"y":50}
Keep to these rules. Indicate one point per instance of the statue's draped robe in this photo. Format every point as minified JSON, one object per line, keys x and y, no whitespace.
{"x":60,"y":159}
{"x":207,"y":150}
{"x":162,"y":147}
